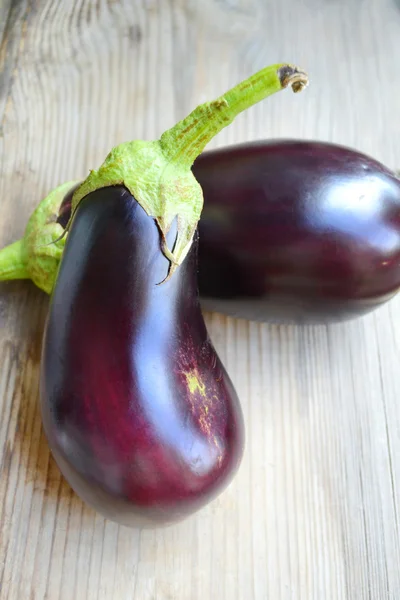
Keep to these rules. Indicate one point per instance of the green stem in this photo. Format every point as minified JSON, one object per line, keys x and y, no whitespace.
{"x":158,"y":173}
{"x":187,"y":139}
{"x":12,"y":264}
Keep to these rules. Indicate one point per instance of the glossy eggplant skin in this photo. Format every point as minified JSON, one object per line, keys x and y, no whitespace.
{"x":297,"y":231}
{"x":139,"y":412}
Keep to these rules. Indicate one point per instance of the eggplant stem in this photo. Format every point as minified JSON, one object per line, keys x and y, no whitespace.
{"x":184,"y":142}
{"x":158,"y":173}
{"x":12,"y":263}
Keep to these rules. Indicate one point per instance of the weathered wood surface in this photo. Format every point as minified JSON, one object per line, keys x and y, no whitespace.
{"x":314,"y":511}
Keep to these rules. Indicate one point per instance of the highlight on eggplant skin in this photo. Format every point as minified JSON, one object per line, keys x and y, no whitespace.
{"x":139,"y":412}
{"x":297,"y":231}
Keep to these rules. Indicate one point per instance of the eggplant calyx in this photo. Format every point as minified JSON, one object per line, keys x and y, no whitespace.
{"x":158,"y":173}
{"x":163,"y":190}
{"x":37,"y":255}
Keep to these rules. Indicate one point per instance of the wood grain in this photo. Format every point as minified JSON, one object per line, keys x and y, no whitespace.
{"x":314,"y":511}
{"x":5,"y":6}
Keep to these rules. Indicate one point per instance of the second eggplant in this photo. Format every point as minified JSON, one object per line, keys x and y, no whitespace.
{"x":297,"y":231}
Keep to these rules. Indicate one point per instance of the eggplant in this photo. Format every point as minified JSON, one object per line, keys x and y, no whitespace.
{"x":297,"y":231}
{"x":138,"y":410}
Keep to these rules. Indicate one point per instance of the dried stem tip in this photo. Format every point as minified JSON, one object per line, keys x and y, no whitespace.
{"x":294,"y":77}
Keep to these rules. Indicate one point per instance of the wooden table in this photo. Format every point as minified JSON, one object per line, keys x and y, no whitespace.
{"x":314,"y":511}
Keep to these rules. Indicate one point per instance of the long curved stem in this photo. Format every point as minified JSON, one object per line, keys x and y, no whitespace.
{"x":187,"y":139}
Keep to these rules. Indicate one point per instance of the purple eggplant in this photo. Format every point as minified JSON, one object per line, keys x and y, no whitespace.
{"x":138,"y":409}
{"x":296,"y":231}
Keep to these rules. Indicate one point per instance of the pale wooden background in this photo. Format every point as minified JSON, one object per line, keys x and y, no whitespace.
{"x":314,"y":511}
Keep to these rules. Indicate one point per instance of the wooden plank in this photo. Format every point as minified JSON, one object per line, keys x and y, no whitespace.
{"x":314,"y":511}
